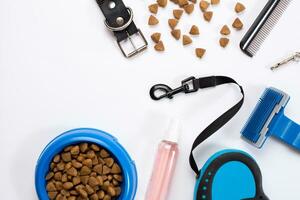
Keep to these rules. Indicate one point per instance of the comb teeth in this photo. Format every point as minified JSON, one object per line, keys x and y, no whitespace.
{"x":256,"y":128}
{"x":263,"y":26}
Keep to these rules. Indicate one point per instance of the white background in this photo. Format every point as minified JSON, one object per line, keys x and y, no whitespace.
{"x":61,"y":69}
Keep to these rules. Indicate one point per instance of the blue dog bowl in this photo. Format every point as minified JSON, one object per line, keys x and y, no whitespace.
{"x":81,"y":135}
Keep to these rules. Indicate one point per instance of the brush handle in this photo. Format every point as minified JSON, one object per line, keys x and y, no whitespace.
{"x":286,"y":130}
{"x":257,"y":25}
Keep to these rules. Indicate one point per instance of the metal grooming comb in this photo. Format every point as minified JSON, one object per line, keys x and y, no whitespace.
{"x":263,"y":25}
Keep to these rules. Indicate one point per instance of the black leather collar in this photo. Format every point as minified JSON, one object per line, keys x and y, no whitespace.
{"x":119,"y":20}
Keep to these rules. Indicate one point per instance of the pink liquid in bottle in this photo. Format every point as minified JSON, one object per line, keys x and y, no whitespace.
{"x":164,"y":167}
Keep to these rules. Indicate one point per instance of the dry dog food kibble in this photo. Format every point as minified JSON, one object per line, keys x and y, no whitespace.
{"x":223,"y":42}
{"x":215,"y":2}
{"x":172,"y":23}
{"x":186,"y":40}
{"x":203,"y":5}
{"x":162,"y":3}
{"x":225,"y":30}
{"x":152,"y":20}
{"x":200,"y":52}
{"x":153,"y":8}
{"x":183,"y":2}
{"x":239,"y":7}
{"x":84,"y":171}
{"x":176,"y":33}
{"x":194,"y":30}
{"x":174,"y":1}
{"x":177,"y":13}
{"x":189,"y":8}
{"x":155,"y":37}
{"x":237,"y":24}
{"x":208,"y":15}
{"x":158,"y":47}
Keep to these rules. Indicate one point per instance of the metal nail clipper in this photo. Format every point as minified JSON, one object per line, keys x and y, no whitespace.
{"x":295,"y":57}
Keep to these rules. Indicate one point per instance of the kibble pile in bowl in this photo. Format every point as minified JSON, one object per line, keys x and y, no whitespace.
{"x":82,"y":172}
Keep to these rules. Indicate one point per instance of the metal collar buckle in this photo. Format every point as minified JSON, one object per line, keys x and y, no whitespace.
{"x":129,"y":37}
{"x":136,"y":49}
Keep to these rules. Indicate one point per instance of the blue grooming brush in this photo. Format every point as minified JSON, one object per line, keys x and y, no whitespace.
{"x":268,"y":119}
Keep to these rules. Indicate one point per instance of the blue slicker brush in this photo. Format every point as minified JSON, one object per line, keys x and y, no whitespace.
{"x":268,"y":119}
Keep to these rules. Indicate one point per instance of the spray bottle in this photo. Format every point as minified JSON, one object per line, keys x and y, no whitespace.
{"x":164,"y":165}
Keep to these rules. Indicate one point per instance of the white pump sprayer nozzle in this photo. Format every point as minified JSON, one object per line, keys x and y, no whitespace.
{"x":173,"y":130}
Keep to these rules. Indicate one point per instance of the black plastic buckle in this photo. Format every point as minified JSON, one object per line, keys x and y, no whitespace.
{"x":187,"y":86}
{"x":189,"y":82}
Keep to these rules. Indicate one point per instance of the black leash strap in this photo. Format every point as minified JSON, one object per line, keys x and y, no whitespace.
{"x":193,"y":85}
{"x":119,"y":20}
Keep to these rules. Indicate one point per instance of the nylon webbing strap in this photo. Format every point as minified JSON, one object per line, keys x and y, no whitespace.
{"x":220,"y":121}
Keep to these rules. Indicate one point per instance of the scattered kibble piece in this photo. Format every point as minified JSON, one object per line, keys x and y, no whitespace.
{"x":225,"y":30}
{"x":194,"y":30}
{"x":223,"y":42}
{"x":183,"y":2}
{"x":174,"y":1}
{"x":200,"y":52}
{"x":176,"y":33}
{"x":214,"y":2}
{"x":153,"y":8}
{"x":237,"y":24}
{"x":203,"y":5}
{"x":189,"y":8}
{"x":193,"y":1}
{"x":84,"y":178}
{"x":208,"y":15}
{"x":155,"y":37}
{"x":162,"y":3}
{"x":152,"y":20}
{"x":173,"y":23}
{"x":177,"y":13}
{"x":159,"y":46}
{"x":239,"y":7}
{"x":186,"y":40}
